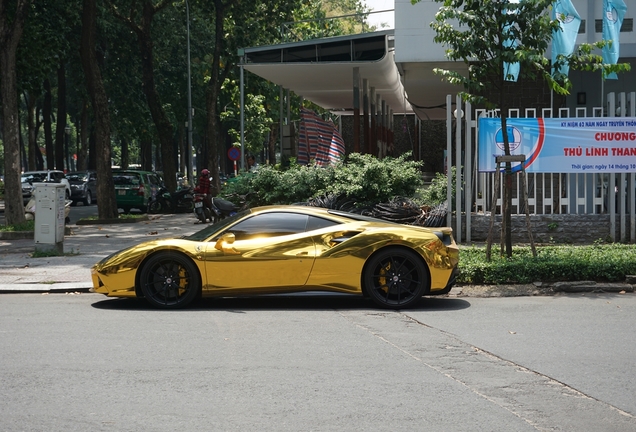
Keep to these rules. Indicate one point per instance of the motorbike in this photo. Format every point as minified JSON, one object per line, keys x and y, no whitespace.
{"x":201,"y":210}
{"x":163,"y":201}
{"x":29,"y":210}
{"x":223,"y":208}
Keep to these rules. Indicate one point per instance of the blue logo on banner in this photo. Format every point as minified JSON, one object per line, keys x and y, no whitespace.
{"x":514,"y":138}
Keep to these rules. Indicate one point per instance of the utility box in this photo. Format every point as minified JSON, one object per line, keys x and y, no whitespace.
{"x":49,"y":217}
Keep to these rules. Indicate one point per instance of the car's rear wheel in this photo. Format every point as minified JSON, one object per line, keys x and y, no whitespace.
{"x":170,"y":280}
{"x":395,"y":278}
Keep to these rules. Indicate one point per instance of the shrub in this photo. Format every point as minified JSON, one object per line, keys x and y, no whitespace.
{"x":601,"y":263}
{"x":436,"y":193}
{"x":362,"y":179}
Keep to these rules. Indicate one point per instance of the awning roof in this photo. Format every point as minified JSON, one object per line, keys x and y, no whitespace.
{"x":321,"y":70}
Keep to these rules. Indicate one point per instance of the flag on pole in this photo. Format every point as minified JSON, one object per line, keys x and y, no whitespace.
{"x":511,"y":70}
{"x":564,"y":39}
{"x":318,"y":140}
{"x":613,"y":13}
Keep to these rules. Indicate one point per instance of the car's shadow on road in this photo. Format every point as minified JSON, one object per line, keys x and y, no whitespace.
{"x":301,"y":301}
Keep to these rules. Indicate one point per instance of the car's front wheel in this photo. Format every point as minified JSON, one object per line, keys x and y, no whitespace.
{"x":395,"y":278}
{"x":170,"y":280}
{"x":89,"y":199}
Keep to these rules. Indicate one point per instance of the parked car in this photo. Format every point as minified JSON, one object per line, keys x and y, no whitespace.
{"x":134,"y":188}
{"x":282,"y":249}
{"x":54,"y":176}
{"x":83,"y":186}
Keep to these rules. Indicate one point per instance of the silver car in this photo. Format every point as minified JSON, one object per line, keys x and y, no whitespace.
{"x":53,"y":176}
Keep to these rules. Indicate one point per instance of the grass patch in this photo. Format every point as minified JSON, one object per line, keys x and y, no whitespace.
{"x":52,"y":253}
{"x":609,"y":262}
{"x":25,"y":226}
{"x":132,"y":216}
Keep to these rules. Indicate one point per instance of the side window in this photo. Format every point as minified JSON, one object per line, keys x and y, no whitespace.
{"x":154,"y":180}
{"x":270,"y":225}
{"x":315,"y":223}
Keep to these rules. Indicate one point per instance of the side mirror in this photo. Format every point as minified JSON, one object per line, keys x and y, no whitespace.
{"x":226,"y":240}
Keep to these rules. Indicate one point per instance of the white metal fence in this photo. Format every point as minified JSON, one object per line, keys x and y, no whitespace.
{"x":548,"y":193}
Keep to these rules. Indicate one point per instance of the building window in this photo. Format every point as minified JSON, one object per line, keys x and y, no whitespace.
{"x":627,"y":26}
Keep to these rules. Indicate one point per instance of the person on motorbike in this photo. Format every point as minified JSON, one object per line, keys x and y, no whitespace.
{"x":203,"y":187}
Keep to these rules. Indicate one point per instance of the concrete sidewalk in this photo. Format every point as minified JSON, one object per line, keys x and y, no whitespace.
{"x":86,"y":245}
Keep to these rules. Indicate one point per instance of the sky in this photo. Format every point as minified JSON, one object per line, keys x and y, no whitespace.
{"x":379,"y":18}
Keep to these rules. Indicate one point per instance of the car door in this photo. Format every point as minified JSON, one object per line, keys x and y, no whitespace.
{"x":92,"y":183}
{"x":270,"y":250}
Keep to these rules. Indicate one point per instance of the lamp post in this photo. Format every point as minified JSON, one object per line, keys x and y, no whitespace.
{"x":189,"y":147}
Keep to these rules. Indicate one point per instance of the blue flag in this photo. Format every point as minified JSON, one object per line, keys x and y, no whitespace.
{"x":564,"y":39}
{"x":511,"y":70}
{"x":613,"y":13}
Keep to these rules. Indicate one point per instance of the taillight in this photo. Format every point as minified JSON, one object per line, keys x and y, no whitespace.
{"x":141,"y":190}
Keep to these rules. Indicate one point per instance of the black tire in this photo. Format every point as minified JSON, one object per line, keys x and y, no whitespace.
{"x":89,"y":199}
{"x":395,"y":278}
{"x":170,"y":280}
{"x":155,"y":207}
{"x":200,"y":216}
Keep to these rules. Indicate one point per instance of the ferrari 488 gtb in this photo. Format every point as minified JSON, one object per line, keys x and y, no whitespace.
{"x":282,"y":249}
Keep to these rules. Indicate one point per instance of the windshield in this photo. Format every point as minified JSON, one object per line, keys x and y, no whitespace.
{"x":126,"y":179}
{"x":78,"y":176}
{"x":33,"y":177}
{"x":206,"y":232}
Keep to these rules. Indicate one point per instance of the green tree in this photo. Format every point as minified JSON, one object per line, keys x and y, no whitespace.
{"x":486,"y":34}
{"x":11,"y":29}
{"x":139,"y":20}
{"x":106,"y":203}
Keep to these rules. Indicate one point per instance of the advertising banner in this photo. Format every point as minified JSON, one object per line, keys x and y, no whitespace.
{"x":561,"y":145}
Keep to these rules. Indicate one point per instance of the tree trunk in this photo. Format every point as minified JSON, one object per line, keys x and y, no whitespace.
{"x":106,"y":204}
{"x":39,"y":158}
{"x":47,"y":110}
{"x":271,"y":145}
{"x":82,"y":151}
{"x":124,"y":153}
{"x":145,"y":149}
{"x":507,"y":198}
{"x":212,"y":97}
{"x":32,"y":145}
{"x":10,"y":34}
{"x":60,"y":124}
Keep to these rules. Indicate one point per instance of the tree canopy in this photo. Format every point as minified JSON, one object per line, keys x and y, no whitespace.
{"x":139,"y":54}
{"x":496,"y":37}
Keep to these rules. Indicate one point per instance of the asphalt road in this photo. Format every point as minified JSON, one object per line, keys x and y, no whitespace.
{"x":322,"y":363}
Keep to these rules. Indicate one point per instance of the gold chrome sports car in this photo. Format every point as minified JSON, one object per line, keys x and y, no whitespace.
{"x":282,"y":249}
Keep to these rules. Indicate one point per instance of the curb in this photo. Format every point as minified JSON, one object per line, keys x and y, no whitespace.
{"x":22,"y":235}
{"x":39,"y":288}
{"x":113,"y":221}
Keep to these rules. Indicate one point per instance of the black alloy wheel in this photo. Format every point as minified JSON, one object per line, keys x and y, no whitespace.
{"x":170,"y":280}
{"x":395,"y":278}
